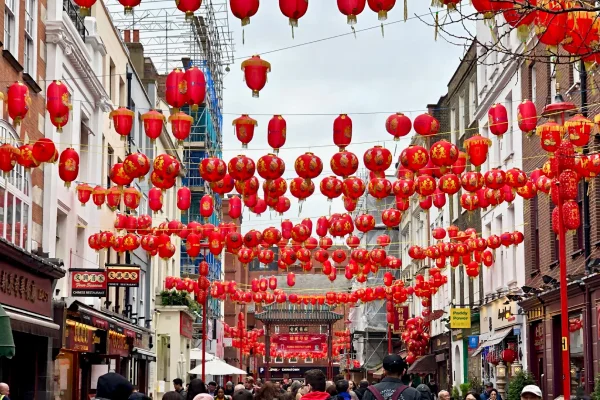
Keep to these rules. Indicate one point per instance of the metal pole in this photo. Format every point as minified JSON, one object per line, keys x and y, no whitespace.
{"x":204,"y":332}
{"x":389,"y":335}
{"x":268,"y":351}
{"x":329,"y":355}
{"x":564,"y":301}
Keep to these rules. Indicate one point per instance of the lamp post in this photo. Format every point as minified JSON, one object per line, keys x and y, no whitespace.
{"x":556,"y":112}
{"x":501,"y":378}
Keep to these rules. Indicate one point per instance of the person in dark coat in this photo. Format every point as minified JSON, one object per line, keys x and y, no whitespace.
{"x":395,"y":368}
{"x":113,"y":386}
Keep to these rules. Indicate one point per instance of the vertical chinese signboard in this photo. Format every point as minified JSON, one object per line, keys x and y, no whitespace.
{"x":400,"y":317}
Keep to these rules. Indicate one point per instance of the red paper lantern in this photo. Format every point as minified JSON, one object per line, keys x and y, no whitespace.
{"x":294,"y":10}
{"x":68,"y":166}
{"x":381,"y":7}
{"x":551,"y":27}
{"x":344,"y":163}
{"x":579,"y":129}
{"x":113,"y":197}
{"x":244,"y":129}
{"x":18,"y":102}
{"x":477,"y":148}
{"x":123,"y":121}
{"x":449,"y":184}
{"x":426,"y":125}
{"x":301,"y":188}
{"x":342,"y":131}
{"x":241,"y":168}
{"x":379,"y":188}
{"x":212,"y":169}
{"x":276,"y":132}
{"x":351,"y":8}
{"x":58,"y":104}
{"x":196,"y":87}
{"x":425,"y":185}
{"x":223,"y":186}
{"x":244,"y":9}
{"x":353,"y":187}
{"x":391,"y":217}
{"x":414,"y":158}
{"x":270,"y":167}
{"x":571,"y":216}
{"x":235,"y":207}
{"x":118,"y":175}
{"x":260,"y":207}
{"x":206,"y":206}
{"x":44,"y":150}
{"x":25,"y":157}
{"x":255,"y":72}
{"x":498,"y":119}
{"x":443,"y":153}
{"x":308,"y":166}
{"x":153,"y":124}
{"x":469,"y":201}
{"x":291,"y":280}
{"x":136,"y":165}
{"x":377,"y":159}
{"x":181,"y":125}
{"x":128,"y":5}
{"x":84,"y":192}
{"x":131,"y":198}
{"x":527,"y":115}
{"x":331,"y":187}
{"x":398,"y":125}
{"x":166,"y":166}
{"x":98,"y":196}
{"x":461,"y":164}
{"x":365,"y":222}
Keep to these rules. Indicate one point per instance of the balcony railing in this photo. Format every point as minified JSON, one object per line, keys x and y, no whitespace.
{"x":72,"y":10}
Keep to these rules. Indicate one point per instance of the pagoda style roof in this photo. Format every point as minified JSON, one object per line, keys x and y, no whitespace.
{"x":287,"y":313}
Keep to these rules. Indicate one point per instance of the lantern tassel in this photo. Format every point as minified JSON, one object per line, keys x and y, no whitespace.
{"x":243,"y":37}
{"x":353,"y":31}
{"x":292,"y":32}
{"x":435,"y":36}
{"x":405,"y":10}
{"x":382,"y":33}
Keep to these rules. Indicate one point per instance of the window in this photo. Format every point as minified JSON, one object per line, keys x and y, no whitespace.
{"x":507,"y":141}
{"x":453,"y":132}
{"x":109,"y":163}
{"x":122,"y":93}
{"x":578,"y":237}
{"x":84,"y":149}
{"x":308,"y":360}
{"x":461,"y":115}
{"x":111,"y":81}
{"x":10,"y":26}
{"x":511,"y":251}
{"x":30,"y":14}
{"x":533,"y":82}
{"x":472,"y":98}
{"x":292,"y":360}
{"x":15,"y":200}
{"x":535,"y":229}
{"x":482,"y":72}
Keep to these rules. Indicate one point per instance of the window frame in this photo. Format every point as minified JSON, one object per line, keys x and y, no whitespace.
{"x":11,"y":11}
{"x":29,"y":35}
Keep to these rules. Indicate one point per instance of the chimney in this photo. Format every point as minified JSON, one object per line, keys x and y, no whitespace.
{"x":136,"y":36}
{"x":127,"y":36}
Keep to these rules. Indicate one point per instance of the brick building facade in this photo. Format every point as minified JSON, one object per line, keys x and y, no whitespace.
{"x":540,"y":82}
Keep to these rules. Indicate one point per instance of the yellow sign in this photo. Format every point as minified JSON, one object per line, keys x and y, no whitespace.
{"x":564,"y":343}
{"x":460,"y":318}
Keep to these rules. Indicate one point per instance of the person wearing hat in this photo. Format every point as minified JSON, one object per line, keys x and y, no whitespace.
{"x":531,"y":392}
{"x":113,"y":386}
{"x":391,"y":386}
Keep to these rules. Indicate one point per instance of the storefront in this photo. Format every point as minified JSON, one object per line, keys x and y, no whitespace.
{"x":94,"y":343}
{"x":280,"y":373}
{"x":544,"y":332}
{"x":26,"y":287}
{"x":440,"y":347}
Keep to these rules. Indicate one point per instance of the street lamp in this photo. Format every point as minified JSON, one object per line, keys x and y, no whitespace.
{"x":557,"y":112}
{"x":501,"y":378}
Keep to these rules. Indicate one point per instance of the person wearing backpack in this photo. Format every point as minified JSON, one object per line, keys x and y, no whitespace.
{"x":391,"y":386}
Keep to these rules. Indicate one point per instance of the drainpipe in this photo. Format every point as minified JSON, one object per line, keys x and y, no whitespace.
{"x":587,"y":251}
{"x":129,"y":75}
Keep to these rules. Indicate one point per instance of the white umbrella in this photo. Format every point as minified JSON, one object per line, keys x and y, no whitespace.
{"x":196,"y":354}
{"x":217,"y":367}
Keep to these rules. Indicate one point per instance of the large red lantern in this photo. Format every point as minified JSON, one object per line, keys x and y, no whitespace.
{"x":516,"y":178}
{"x":498,"y":119}
{"x":44,"y":150}
{"x":398,"y":125}
{"x":377,"y":159}
{"x":223,"y":186}
{"x":136,"y":165}
{"x":414,"y":158}
{"x":181,"y":125}
{"x":25,"y":157}
{"x":443,"y":153}
{"x":301,"y":188}
{"x":153,"y":124}
{"x":342,"y":130}
{"x":244,"y":9}
{"x":551,"y":27}
{"x":276,"y":132}
{"x":244,"y":129}
{"x":579,"y":129}
{"x":353,"y":187}
{"x":270,"y":167}
{"x":241,"y":168}
{"x":351,"y":8}
{"x":379,"y":188}
{"x":68,"y":166}
{"x":550,"y":134}
{"x":166,"y":166}
{"x":477,"y":148}
{"x":212,"y":169}
{"x":196,"y":87}
{"x":308,"y":166}
{"x":425,"y":186}
{"x":206,"y":206}
{"x":469,"y":201}
{"x":118,"y":175}
{"x":391,"y":217}
{"x":176,"y":85}
{"x":294,"y":10}
{"x":344,"y":163}
{"x":381,"y":7}
{"x":449,"y":184}
{"x":527,"y":116}
{"x":426,"y":125}
{"x":255,"y":73}
{"x":18,"y":102}
{"x":58,"y":104}
{"x":331,"y":187}
{"x":123,"y":121}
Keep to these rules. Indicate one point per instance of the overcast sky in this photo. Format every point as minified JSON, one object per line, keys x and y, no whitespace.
{"x":403,"y":71}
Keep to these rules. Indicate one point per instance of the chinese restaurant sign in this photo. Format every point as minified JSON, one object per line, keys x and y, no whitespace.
{"x":123,"y":276}
{"x":88,"y":282}
{"x":186,"y":327}
{"x":400,"y":317}
{"x":24,"y":290}
{"x":310,"y":343}
{"x":460,"y":318}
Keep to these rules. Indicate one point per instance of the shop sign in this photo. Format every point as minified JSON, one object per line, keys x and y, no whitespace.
{"x":473,"y":342}
{"x":298,"y":329}
{"x":440,"y":342}
{"x":538,"y":337}
{"x":81,"y":337}
{"x":460,"y":318}
{"x":94,"y":321}
{"x":310,"y":343}
{"x":498,"y":315}
{"x":123,"y":275}
{"x":25,"y":290}
{"x":186,"y":325}
{"x":400,"y":317}
{"x":88,"y":282}
{"x":117,"y":344}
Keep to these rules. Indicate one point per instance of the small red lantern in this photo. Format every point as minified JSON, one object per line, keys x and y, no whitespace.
{"x":342,"y":131}
{"x":241,"y":168}
{"x":119,"y":176}
{"x":301,"y":188}
{"x":58,"y":104}
{"x":181,"y":125}
{"x":550,"y":134}
{"x":85,"y":6}
{"x":498,"y":119}
{"x":344,"y":163}
{"x":291,"y":280}
{"x":153,"y":124}
{"x":351,"y":8}
{"x":579,"y":129}
{"x":255,"y":73}
{"x":294,"y":10}
{"x":176,"y":85}
{"x":516,"y":178}
{"x":223,"y":186}
{"x":414,"y":158}
{"x":477,"y":148}
{"x":398,"y":125}
{"x":571,"y":216}
{"x":206,"y":206}
{"x":98,"y":196}
{"x":25,"y":157}
{"x":443,"y":153}
{"x":244,"y":129}
{"x":212,"y":169}
{"x":68,"y":166}
{"x":527,"y":116}
{"x":331,"y":187}
{"x":131,"y":198}
{"x":235,"y":207}
{"x":381,"y":7}
{"x":391,"y":217}
{"x":18,"y":102}
{"x":155,"y":198}
{"x":196,"y":87}
{"x":469,"y":201}
{"x":377,"y":159}
{"x":123,"y":120}
{"x":426,"y":125}
{"x":308,"y":166}
{"x":353,"y":187}
{"x":270,"y":167}
{"x":244,"y":9}
{"x":449,"y":184}
{"x":276,"y":132}
{"x":379,"y":188}
{"x":84,"y":192}
{"x":425,"y":185}
{"x":260,"y":207}
{"x":128,"y":5}
{"x":113,"y":197}
{"x":44,"y":150}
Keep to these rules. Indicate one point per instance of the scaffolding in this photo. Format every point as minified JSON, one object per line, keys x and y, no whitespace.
{"x":205,"y":42}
